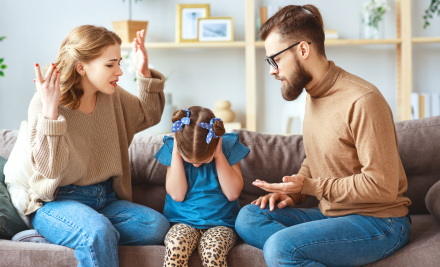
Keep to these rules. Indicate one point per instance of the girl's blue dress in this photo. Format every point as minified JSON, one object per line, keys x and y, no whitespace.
{"x":205,"y":205}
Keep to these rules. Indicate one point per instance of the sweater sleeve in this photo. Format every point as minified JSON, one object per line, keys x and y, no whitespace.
{"x":49,"y":150}
{"x":145,"y":110}
{"x":305,"y":170}
{"x":372,"y":126}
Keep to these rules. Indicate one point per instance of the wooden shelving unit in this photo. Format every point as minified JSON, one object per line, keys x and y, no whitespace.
{"x":403,"y":43}
{"x":425,"y":40}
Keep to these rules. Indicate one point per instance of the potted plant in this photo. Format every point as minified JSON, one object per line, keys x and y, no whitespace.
{"x":2,"y":66}
{"x":434,"y":7}
{"x":126,"y":29}
{"x":372,"y":13}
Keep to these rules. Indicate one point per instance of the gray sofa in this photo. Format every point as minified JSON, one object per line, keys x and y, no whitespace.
{"x":270,"y":159}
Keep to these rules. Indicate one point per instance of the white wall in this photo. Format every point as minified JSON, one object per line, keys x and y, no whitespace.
{"x":35,"y":29}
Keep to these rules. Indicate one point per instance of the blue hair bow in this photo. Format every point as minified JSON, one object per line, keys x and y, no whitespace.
{"x":211,"y":133}
{"x":177,"y":125}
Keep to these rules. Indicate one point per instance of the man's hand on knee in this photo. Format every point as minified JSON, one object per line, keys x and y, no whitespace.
{"x":282,"y":199}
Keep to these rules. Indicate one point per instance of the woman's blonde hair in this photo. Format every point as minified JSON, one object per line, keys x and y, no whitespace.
{"x":84,"y":44}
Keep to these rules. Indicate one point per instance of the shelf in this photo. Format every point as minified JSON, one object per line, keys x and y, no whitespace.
{"x":173,"y":45}
{"x":343,"y":42}
{"x":425,"y":40}
{"x":260,"y":44}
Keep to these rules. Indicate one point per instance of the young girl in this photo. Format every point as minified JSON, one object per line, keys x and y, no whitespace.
{"x":203,"y":184}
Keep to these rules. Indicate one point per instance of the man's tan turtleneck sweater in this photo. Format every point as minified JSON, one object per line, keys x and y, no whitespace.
{"x":84,"y":149}
{"x":352,"y":160}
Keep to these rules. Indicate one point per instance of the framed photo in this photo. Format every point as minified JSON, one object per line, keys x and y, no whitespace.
{"x":187,"y":21}
{"x":216,"y":29}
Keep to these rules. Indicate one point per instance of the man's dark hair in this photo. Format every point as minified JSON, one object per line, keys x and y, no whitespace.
{"x":297,"y":24}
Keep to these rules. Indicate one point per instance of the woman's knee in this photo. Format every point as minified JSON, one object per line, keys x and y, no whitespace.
{"x":155,"y":224}
{"x":63,"y":229}
{"x":160,"y":224}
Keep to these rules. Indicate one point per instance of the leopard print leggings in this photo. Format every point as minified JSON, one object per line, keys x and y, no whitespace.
{"x":213,"y":245}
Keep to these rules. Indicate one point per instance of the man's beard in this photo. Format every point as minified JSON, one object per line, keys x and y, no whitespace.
{"x":294,"y":86}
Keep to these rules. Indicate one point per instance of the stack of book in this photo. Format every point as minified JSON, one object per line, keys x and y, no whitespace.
{"x":424,"y":105}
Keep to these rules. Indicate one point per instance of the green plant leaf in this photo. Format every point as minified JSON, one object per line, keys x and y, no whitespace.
{"x":2,"y":74}
{"x":1,"y":60}
{"x":3,"y":67}
{"x":2,"y":38}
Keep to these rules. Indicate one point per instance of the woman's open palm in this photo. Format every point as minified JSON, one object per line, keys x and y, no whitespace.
{"x":140,"y":57}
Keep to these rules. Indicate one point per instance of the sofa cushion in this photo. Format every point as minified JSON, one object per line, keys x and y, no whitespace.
{"x":147,"y":174}
{"x":432,"y":201}
{"x":419,"y":148}
{"x":271,"y":158}
{"x":10,"y":221}
{"x":423,"y":247}
{"x":7,"y":142}
{"x":422,"y":250}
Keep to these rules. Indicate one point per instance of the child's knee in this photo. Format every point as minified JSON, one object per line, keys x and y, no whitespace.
{"x":215,"y":245}
{"x":182,"y":237}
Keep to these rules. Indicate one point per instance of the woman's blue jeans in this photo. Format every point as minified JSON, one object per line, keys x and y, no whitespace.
{"x":305,"y":237}
{"x":91,"y":220}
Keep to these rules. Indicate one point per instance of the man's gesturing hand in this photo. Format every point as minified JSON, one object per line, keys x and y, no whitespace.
{"x":290,"y":185}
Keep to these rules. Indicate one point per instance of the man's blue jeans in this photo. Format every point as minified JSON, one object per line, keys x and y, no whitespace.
{"x":305,"y":237}
{"x":91,"y":220}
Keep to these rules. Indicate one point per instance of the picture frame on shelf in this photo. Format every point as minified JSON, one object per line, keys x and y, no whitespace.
{"x":187,"y":16}
{"x":216,"y":29}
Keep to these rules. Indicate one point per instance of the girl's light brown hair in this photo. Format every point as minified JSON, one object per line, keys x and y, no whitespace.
{"x":191,"y":139}
{"x":84,"y":44}
{"x":297,"y":24}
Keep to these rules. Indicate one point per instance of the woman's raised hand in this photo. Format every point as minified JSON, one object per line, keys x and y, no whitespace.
{"x":49,"y":90}
{"x":140,"y":57}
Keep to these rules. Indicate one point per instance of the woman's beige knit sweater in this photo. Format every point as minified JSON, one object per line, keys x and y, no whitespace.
{"x":84,"y":149}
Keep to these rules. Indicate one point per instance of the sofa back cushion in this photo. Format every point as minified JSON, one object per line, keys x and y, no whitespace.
{"x":274,"y":156}
{"x":7,"y":142}
{"x":419,"y":149}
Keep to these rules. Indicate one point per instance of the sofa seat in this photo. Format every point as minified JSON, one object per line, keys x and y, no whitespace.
{"x":422,"y":250}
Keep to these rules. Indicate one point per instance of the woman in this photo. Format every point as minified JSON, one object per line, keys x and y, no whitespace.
{"x":81,"y":126}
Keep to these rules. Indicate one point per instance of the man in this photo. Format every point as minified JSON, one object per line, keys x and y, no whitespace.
{"x":352,"y":163}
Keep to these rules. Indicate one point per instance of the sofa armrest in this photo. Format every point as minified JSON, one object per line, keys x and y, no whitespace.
{"x":432,"y":200}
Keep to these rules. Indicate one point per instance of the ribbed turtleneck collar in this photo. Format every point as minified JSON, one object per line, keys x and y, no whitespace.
{"x":326,"y":82}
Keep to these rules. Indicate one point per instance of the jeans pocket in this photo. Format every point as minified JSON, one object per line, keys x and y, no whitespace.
{"x":401,"y":242}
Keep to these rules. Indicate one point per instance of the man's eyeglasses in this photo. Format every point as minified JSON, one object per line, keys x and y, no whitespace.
{"x":270,"y":60}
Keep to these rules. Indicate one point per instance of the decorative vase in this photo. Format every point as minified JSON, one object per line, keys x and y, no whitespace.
{"x":126,"y":29}
{"x":370,"y":30}
{"x":223,"y":111}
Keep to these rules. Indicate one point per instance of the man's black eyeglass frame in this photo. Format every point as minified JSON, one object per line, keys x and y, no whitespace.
{"x":272,"y":62}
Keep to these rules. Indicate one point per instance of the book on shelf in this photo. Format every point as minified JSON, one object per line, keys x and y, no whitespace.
{"x":425,"y":105}
{"x":415,"y":106}
{"x":435,"y":104}
{"x":268,"y":11}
